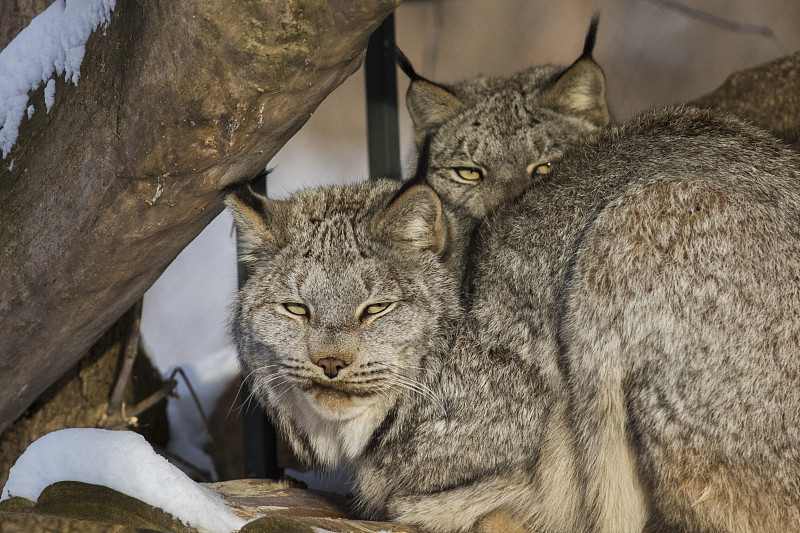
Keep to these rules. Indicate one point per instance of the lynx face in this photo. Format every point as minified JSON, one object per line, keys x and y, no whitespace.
{"x":345,"y":298}
{"x":497,"y":149}
{"x":492,"y":138}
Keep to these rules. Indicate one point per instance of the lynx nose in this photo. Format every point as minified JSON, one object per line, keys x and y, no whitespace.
{"x":331,"y":366}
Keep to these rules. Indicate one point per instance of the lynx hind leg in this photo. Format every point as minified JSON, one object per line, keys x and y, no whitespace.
{"x":682,"y":331}
{"x":615,"y":495}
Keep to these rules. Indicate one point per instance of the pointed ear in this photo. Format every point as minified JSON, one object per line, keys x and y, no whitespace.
{"x":429,"y":104}
{"x":414,"y":219}
{"x":580,"y":91}
{"x":259,"y":221}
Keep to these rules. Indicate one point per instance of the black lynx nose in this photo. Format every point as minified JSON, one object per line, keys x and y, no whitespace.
{"x":331,"y":366}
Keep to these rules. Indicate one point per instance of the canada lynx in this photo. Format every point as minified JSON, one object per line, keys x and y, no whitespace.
{"x":492,"y":138}
{"x":629,"y":360}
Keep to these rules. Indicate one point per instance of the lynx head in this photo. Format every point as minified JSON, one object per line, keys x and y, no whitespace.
{"x":347,"y":295}
{"x":493,"y":138}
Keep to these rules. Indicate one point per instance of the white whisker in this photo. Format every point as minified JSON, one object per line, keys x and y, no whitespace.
{"x":394,"y":377}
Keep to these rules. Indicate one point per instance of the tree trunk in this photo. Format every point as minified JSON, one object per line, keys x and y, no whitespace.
{"x":79,"y":399}
{"x":15,"y":15}
{"x":176,"y":100}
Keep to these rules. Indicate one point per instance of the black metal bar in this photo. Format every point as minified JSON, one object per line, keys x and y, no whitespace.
{"x":260,"y":439}
{"x":383,"y":138}
{"x":260,"y":442}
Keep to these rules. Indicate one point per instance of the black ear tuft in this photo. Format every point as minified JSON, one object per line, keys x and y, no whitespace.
{"x":580,"y":90}
{"x":420,"y":173}
{"x":244,"y":190}
{"x":244,"y":195}
{"x":405,"y":65}
{"x":429,"y":104}
{"x":591,"y":36}
{"x":264,"y":174}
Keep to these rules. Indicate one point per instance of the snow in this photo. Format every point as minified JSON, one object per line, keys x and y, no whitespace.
{"x":125,"y":462}
{"x":184,"y":323}
{"x":54,"y":42}
{"x":50,"y":94}
{"x":159,"y":190}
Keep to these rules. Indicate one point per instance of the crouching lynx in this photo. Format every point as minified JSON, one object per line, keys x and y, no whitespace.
{"x":630,"y":360}
{"x":492,"y":138}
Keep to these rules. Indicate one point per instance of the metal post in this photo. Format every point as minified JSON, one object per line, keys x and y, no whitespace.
{"x":383,"y":137}
{"x":260,"y":440}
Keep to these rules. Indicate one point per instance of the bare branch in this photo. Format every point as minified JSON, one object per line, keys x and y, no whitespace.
{"x":714,"y":20}
{"x":131,"y":348}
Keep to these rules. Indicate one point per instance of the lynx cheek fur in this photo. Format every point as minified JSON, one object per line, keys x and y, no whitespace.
{"x":346,"y":297}
{"x":491,"y":138}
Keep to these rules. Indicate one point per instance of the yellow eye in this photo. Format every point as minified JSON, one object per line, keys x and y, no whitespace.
{"x":375,"y":309}
{"x":542,"y":169}
{"x":296,"y":309}
{"x":469,"y":174}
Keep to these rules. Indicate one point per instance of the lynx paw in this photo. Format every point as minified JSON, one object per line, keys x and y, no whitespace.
{"x":498,"y":521}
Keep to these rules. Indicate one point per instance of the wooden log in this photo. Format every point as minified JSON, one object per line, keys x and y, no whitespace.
{"x":176,"y":99}
{"x":269,"y":506}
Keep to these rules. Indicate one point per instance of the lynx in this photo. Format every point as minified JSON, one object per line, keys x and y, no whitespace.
{"x":492,"y":138}
{"x":629,"y":360}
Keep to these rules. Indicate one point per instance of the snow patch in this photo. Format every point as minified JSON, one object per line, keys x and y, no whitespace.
{"x":54,"y":41}
{"x":125,"y":462}
{"x":49,"y":94}
{"x":31,"y":109}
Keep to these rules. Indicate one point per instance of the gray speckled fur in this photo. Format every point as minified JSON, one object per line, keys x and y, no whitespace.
{"x":631,"y":358}
{"x":659,"y":270}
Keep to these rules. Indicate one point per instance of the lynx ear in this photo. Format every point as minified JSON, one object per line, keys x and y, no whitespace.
{"x":581,"y":89}
{"x":259,"y":221}
{"x":414,"y":219}
{"x":429,"y":104}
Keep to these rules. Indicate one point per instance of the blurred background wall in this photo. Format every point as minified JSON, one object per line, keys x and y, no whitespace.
{"x":653,"y":52}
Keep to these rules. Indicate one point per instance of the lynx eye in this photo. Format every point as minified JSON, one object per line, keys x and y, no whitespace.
{"x":296,"y":309}
{"x":374,"y":310}
{"x":543,"y":169}
{"x":468,"y":175}
{"x":538,"y":172}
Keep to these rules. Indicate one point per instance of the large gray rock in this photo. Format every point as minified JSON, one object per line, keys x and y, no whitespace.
{"x":768,"y":95}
